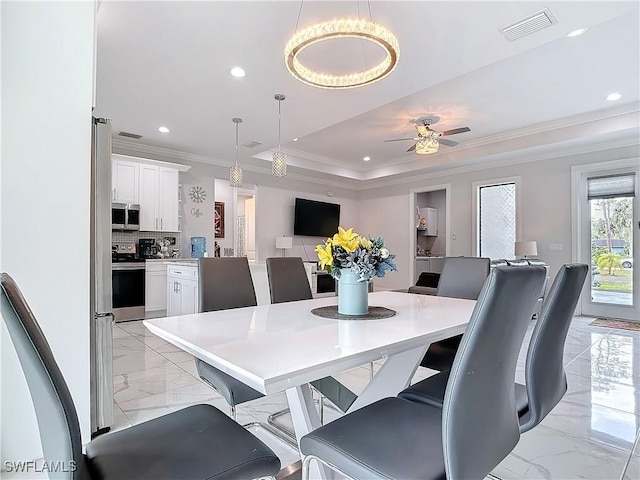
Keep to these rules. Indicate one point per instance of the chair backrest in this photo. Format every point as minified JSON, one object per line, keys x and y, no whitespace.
{"x":546,"y":381}
{"x":463,"y":277}
{"x":55,"y":411}
{"x":479,"y":399}
{"x":288,"y":280}
{"x":223,"y":283}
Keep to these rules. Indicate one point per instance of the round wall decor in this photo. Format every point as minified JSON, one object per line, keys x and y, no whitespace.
{"x":197,"y":194}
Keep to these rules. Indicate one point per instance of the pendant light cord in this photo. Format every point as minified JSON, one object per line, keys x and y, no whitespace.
{"x":279,"y":120}
{"x":299,"y":12}
{"x":236,"y":144}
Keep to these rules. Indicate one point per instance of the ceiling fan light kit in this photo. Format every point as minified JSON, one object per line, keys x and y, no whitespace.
{"x":342,"y":28}
{"x":428,"y":141}
{"x":428,"y":144}
{"x":279,"y":160}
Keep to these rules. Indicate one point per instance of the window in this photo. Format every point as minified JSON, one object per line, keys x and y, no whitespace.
{"x":496,"y":219}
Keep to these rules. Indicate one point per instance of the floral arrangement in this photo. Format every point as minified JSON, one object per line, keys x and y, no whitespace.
{"x":367,"y":257}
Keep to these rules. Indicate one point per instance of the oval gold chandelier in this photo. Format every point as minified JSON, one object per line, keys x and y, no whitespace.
{"x":342,"y":28}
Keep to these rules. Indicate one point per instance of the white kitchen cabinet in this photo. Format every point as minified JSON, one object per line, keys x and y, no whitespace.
{"x":158,"y":198}
{"x":428,"y":221}
{"x":182,"y":289}
{"x":125,"y":180}
{"x":155,"y":287}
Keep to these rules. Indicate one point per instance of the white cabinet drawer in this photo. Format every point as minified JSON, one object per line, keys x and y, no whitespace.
{"x":180,"y":271}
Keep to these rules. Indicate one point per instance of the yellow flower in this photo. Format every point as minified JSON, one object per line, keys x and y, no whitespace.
{"x":365,"y":243}
{"x":346,"y":239}
{"x":324,"y":254}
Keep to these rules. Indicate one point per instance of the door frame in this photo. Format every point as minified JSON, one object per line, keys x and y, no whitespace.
{"x":412,"y":224}
{"x":580,"y":246}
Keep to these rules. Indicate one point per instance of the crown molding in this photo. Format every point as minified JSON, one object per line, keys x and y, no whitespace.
{"x":514,"y":159}
{"x":139,"y":150}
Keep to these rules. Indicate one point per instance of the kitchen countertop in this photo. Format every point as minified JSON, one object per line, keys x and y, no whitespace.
{"x":427,"y":257}
{"x":156,"y":260}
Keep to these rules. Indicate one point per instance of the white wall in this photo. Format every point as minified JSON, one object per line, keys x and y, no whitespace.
{"x":196,"y":219}
{"x":545,"y":195}
{"x":274,"y":218}
{"x":227,"y":194}
{"x":47,"y":78}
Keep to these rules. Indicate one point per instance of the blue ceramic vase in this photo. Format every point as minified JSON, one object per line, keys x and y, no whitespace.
{"x":353,"y":296}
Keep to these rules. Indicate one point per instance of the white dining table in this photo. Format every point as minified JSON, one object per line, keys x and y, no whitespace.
{"x":283,"y":347}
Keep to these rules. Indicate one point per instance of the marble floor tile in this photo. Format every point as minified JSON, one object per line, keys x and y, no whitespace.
{"x":119,"y":332}
{"x":595,"y":423}
{"x":189,"y":367}
{"x":173,"y":353}
{"x":632,"y":471}
{"x":546,"y":453}
{"x":137,"y":362}
{"x":120,"y":420}
{"x":130,"y":386}
{"x":599,"y":391}
{"x":125,"y":345}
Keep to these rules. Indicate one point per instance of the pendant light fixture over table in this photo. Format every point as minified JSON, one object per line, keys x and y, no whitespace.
{"x":279,"y":163}
{"x":342,"y":28}
{"x":236,"y":173}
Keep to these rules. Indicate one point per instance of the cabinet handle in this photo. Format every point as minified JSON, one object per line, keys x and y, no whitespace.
{"x":156,"y":223}
{"x":161,"y":227}
{"x":114,"y":194}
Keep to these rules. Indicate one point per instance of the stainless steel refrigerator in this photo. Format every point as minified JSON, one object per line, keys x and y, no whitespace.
{"x":101,"y":334}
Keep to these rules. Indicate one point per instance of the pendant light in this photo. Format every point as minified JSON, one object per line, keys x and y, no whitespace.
{"x":279,"y":163}
{"x":236,"y":173}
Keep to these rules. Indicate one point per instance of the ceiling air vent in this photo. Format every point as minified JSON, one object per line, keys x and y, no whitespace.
{"x":130,"y":135}
{"x":528,"y":25}
{"x":251,"y":144}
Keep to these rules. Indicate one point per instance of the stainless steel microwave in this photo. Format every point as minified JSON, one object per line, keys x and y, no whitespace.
{"x":125,"y":216}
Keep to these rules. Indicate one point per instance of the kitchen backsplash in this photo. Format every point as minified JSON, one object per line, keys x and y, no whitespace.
{"x":117,"y":236}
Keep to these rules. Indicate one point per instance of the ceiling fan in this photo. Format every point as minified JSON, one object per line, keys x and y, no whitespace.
{"x":429,"y":140}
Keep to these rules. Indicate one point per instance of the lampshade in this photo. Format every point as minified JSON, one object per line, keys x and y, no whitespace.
{"x":526,"y":249}
{"x":284,"y":242}
{"x":428,"y":143}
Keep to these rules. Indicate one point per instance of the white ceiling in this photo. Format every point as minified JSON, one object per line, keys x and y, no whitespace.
{"x":167,"y":63}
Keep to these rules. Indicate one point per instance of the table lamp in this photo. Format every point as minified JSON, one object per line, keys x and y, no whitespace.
{"x":526,"y":249}
{"x":284,"y":243}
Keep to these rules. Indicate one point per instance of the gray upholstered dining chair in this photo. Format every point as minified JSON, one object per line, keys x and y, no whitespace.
{"x":545,"y":378}
{"x":195,"y":442}
{"x":461,"y":277}
{"x":397,"y":438}
{"x":224,"y":283}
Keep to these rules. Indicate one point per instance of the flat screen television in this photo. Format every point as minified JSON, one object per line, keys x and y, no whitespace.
{"x":315,"y":219}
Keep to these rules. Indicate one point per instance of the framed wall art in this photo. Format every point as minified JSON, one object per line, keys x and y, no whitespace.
{"x":218,"y":220}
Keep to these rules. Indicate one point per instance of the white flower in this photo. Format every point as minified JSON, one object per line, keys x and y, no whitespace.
{"x":384,"y":253}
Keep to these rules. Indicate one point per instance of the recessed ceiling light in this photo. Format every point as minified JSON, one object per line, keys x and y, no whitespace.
{"x":613,"y":96}
{"x":238,"y":72}
{"x":366,"y":159}
{"x":577,"y":32}
{"x":295,"y":139}
{"x":163,"y":129}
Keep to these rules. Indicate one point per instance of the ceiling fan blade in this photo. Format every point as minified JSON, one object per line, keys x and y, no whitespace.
{"x":412,"y":148}
{"x":456,"y":130}
{"x":400,"y":139}
{"x":449,"y":143}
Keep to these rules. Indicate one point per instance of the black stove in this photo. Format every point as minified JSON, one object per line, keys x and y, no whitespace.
{"x":125,"y":253}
